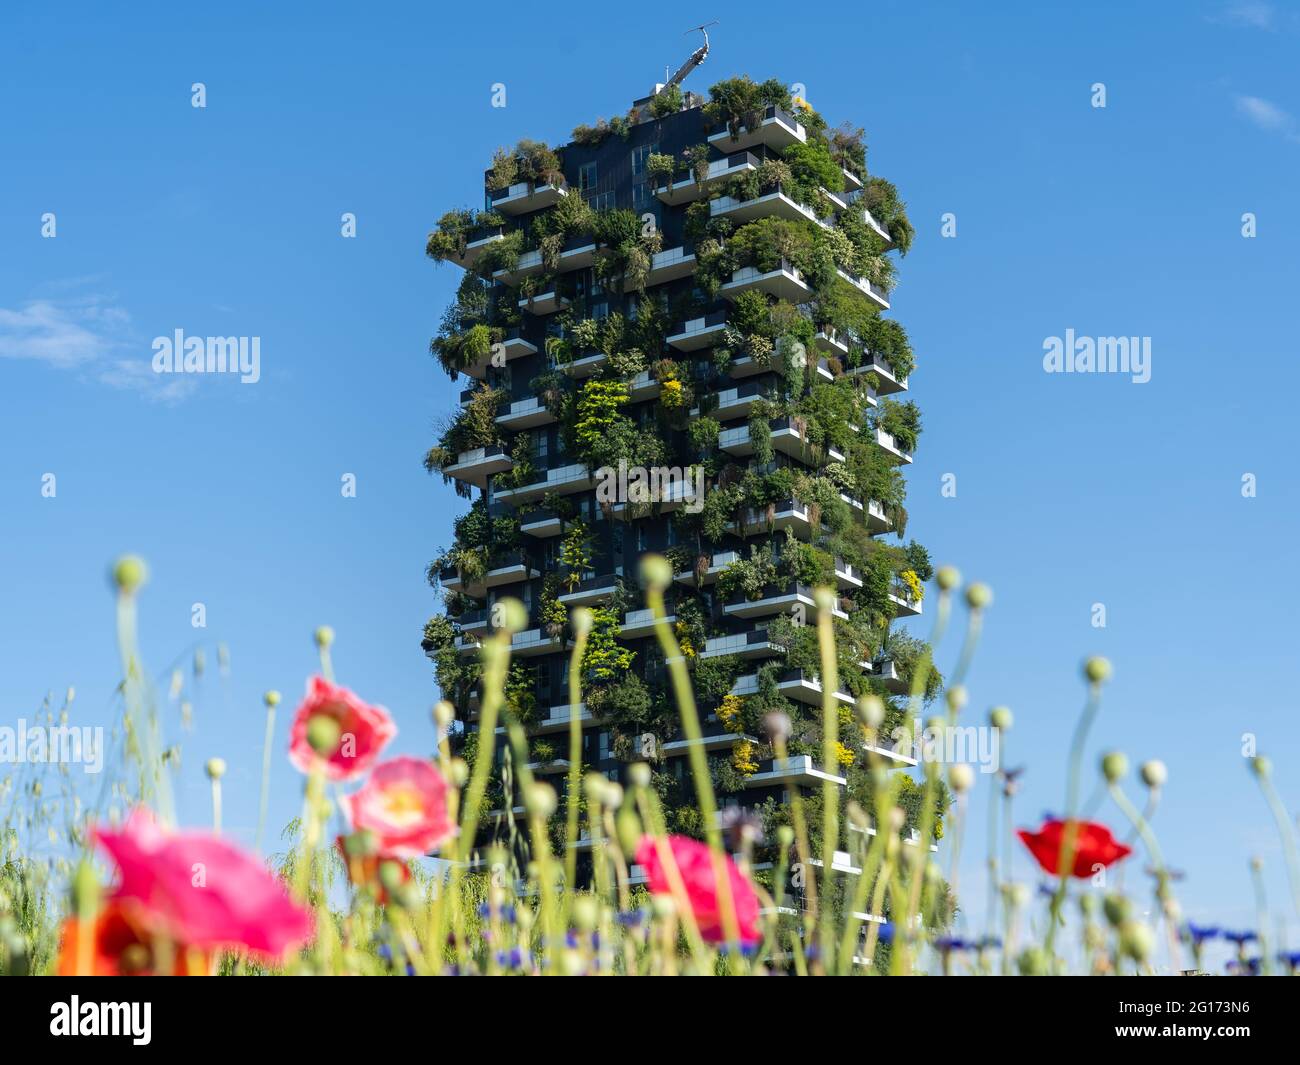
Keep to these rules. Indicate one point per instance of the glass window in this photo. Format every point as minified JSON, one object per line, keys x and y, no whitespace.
{"x":639,"y":157}
{"x":587,"y":177}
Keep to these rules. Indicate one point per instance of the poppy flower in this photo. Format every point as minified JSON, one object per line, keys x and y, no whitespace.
{"x":695,"y":863}
{"x":1093,"y":846}
{"x":354,"y":734}
{"x":197,"y":889}
{"x":364,"y":868}
{"x":403,"y":805}
{"x":122,"y":946}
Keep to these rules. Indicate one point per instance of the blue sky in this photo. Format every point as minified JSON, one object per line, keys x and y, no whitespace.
{"x":1071,"y":489}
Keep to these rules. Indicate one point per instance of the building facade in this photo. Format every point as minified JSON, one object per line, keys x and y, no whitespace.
{"x":675,"y":338}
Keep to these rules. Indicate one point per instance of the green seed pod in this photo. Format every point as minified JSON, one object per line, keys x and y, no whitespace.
{"x":656,"y":572}
{"x":978,"y":596}
{"x":947,"y":578}
{"x":215,"y":768}
{"x":1261,"y":766}
{"x":1116,"y":908}
{"x":955,"y":697}
{"x":1096,"y":670}
{"x":871,"y":710}
{"x":1114,"y":766}
{"x":443,"y":714}
{"x":639,"y":774}
{"x":628,"y":826}
{"x":1000,"y":717}
{"x":130,"y":574}
{"x":785,"y":836}
{"x":961,"y":778}
{"x":586,"y":912}
{"x":323,"y":734}
{"x":1032,"y":962}
{"x":1154,"y":773}
{"x":582,"y":619}
{"x":541,"y":800}
{"x":271,"y":699}
{"x":1136,"y":940}
{"x":324,"y":636}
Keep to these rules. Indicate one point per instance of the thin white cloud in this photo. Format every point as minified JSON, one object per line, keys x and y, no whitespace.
{"x":88,"y":335}
{"x":1266,"y":115}
{"x":1252,"y":14}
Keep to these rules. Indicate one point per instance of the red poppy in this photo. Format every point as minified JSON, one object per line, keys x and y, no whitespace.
{"x":695,"y":864}
{"x":363,"y":730}
{"x":1094,"y":846}
{"x":120,"y":946}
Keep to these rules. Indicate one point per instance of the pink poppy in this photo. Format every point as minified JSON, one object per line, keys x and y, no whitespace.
{"x":695,"y":863}
{"x":200,"y":890}
{"x":363,"y":731}
{"x":404,"y":804}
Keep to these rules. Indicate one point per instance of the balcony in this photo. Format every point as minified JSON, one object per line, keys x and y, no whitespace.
{"x":797,"y":769}
{"x":509,"y":569}
{"x":717,"y":563}
{"x":699,"y":333}
{"x":534,"y":642}
{"x":888,"y":382}
{"x":511,"y":346}
{"x":671,"y":264}
{"x":475,"y":466}
{"x":467,"y":394}
{"x":784,"y":282}
{"x":643,"y":386}
{"x":717,"y":741}
{"x":591,"y":591}
{"x":890,"y":443}
{"x":829,"y":343}
{"x":751,"y":644}
{"x":845,"y":575}
{"x":775,"y":204}
{"x":541,"y":523}
{"x":450,"y":578}
{"x":737,"y":402}
{"x":525,"y":414}
{"x":481,"y":240}
{"x":543,"y":303}
{"x":474,"y":622}
{"x":688,"y":189}
{"x":891,"y":754}
{"x":777,"y":129}
{"x":557,"y":718}
{"x":852,"y":183}
{"x":787,"y":514}
{"x":877,"y":520}
{"x":525,"y":197}
{"x":874,"y":293}
{"x":786,"y":437}
{"x":587,"y":364}
{"x":783,"y":600}
{"x":886,"y":672}
{"x":563,"y":479}
{"x":578,"y":252}
{"x":667,"y":495}
{"x":638,"y":623}
{"x":906,"y":606}
{"x":876,"y":227}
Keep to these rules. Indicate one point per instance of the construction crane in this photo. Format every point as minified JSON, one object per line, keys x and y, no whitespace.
{"x":697,"y":57}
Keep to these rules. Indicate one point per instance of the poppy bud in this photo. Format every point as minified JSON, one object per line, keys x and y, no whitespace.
{"x":1136,"y":940}
{"x":1114,"y":766}
{"x":1261,"y":766}
{"x":639,"y":774}
{"x":978,"y":596}
{"x":581,"y":619}
{"x":785,"y":836}
{"x":1154,"y":773}
{"x":216,"y":768}
{"x":324,"y":636}
{"x":459,"y":772}
{"x":271,"y":699}
{"x":871,"y":710}
{"x":961,"y":778}
{"x":955,"y":697}
{"x":947,"y":578}
{"x":511,"y":615}
{"x":1116,"y":908}
{"x":1096,"y":669}
{"x":323,"y":734}
{"x":656,"y":572}
{"x":1000,"y":717}
{"x":129,"y":574}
